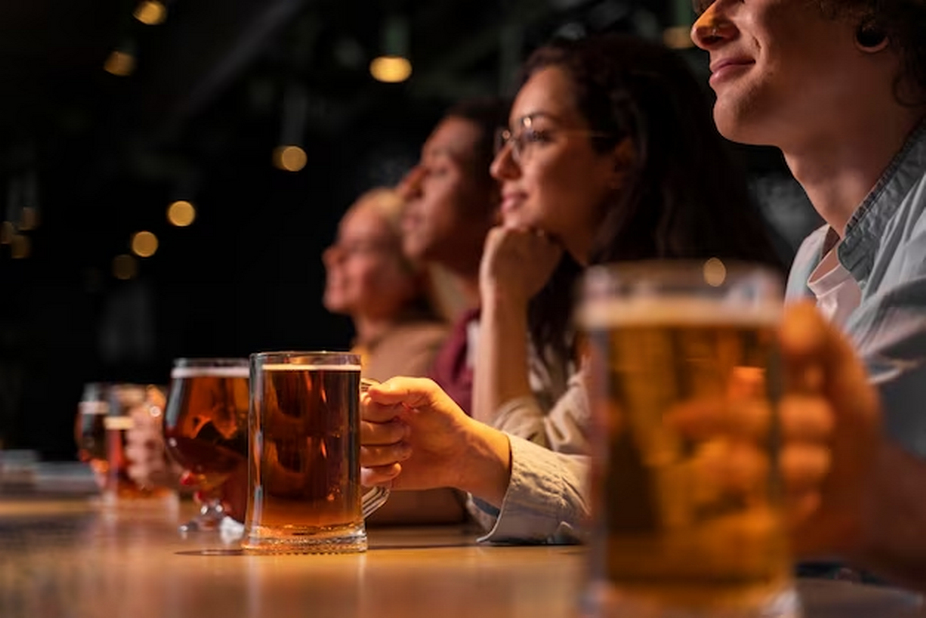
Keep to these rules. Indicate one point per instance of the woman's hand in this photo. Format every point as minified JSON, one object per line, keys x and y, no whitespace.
{"x":516,"y":263}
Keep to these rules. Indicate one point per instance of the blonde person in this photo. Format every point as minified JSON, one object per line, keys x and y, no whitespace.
{"x":397,"y":329}
{"x":369,"y":279}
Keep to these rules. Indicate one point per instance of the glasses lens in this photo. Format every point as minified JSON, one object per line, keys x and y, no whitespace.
{"x":501,"y":139}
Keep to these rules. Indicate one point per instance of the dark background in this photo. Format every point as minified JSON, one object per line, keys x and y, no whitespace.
{"x":98,"y":157}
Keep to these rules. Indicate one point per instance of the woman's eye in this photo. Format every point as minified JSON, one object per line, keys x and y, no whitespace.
{"x":533,"y":135}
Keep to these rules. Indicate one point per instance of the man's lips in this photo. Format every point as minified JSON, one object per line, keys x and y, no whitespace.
{"x":727,"y":67}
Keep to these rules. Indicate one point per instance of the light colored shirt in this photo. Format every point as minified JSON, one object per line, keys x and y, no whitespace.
{"x":884,"y":249}
{"x":547,"y":497}
{"x":838,"y":294}
{"x":563,"y":427}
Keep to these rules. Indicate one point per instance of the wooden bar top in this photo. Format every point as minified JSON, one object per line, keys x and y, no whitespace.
{"x":77,"y":558}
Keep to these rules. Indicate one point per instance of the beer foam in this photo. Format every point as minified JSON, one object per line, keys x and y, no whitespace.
{"x":678,"y":311}
{"x":293,"y":367}
{"x":216,"y":372}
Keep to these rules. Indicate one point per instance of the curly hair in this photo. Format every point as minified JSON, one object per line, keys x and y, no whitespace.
{"x":904,"y":23}
{"x":684,"y":198}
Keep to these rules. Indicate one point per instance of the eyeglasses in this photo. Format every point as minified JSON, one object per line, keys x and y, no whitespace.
{"x":522,"y":142}
{"x":352,"y":248}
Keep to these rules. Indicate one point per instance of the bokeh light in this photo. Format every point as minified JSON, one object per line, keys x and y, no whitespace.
{"x":20,"y":247}
{"x":7,"y":230}
{"x":120,"y":63}
{"x":181,"y":213}
{"x":144,"y":244}
{"x":125,"y":267}
{"x":715,"y":273}
{"x":289,"y":158}
{"x":150,"y":12}
{"x":391,"y":69}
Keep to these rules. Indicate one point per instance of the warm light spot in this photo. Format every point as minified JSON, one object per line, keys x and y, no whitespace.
{"x":390,"y":69}
{"x":28,"y":219}
{"x":124,"y":267}
{"x":289,"y":158}
{"x":715,"y":273}
{"x":6,"y":233}
{"x":20,"y":247}
{"x":144,"y":244}
{"x":677,"y":37}
{"x":150,"y":12}
{"x":120,"y":63}
{"x":181,"y":213}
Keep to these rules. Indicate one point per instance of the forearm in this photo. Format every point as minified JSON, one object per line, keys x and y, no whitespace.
{"x":546,"y":500}
{"x":487,"y":471}
{"x":501,"y":371}
{"x":892,"y":540}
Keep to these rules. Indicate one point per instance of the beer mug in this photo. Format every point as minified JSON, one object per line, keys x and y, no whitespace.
{"x":683,"y":527}
{"x":90,"y":429}
{"x":304,"y":493}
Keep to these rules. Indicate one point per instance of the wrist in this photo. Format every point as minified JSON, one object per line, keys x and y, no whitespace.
{"x":502,"y":300}
{"x":488,"y":468}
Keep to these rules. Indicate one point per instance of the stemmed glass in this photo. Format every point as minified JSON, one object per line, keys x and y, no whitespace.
{"x":206,"y":429}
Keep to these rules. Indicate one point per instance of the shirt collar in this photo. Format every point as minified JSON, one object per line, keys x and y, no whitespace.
{"x":866,"y":226}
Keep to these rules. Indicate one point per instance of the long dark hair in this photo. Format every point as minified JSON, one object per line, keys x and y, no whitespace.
{"x":683,"y":197}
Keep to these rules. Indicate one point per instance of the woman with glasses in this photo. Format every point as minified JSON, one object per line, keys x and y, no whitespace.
{"x":610,"y":155}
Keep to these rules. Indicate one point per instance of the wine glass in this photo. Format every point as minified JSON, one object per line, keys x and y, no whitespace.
{"x":206,"y":429}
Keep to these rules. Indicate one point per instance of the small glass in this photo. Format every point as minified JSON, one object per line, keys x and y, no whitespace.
{"x":681,"y":530}
{"x":130,"y":407}
{"x":304,"y":493}
{"x":205,"y":429}
{"x":90,"y":429}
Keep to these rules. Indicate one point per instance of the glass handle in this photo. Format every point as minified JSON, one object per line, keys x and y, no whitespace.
{"x":377,"y":496}
{"x":372,"y":500}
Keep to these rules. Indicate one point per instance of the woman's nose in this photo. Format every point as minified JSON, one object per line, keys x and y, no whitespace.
{"x":504,"y":166}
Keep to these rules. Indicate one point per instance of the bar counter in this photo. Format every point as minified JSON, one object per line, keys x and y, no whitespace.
{"x":76,"y":558}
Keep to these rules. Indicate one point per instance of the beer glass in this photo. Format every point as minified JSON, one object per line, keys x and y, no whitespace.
{"x":131,"y":407}
{"x":205,"y":429}
{"x":90,"y":429}
{"x":304,"y":493}
{"x":683,"y":384}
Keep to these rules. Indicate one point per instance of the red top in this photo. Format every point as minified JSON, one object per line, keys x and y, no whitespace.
{"x":450,"y":370}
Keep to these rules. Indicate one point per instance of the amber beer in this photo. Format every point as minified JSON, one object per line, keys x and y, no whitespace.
{"x":206,"y":427}
{"x":126,"y":400}
{"x":304,"y":465}
{"x":678,"y":524}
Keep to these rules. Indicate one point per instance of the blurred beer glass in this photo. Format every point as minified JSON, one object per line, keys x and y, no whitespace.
{"x":205,"y":428}
{"x":90,"y":429}
{"x":130,"y":406}
{"x":304,"y":493}
{"x":683,"y":383}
